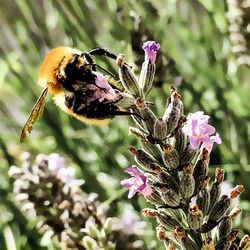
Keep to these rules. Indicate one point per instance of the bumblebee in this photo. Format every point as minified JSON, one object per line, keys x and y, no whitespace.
{"x":70,"y":76}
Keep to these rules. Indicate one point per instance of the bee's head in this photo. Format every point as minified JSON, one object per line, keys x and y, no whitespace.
{"x":54,"y":64}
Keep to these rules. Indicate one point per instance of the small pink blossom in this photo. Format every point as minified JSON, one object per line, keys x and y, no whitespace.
{"x":138,"y":183}
{"x":151,"y":48}
{"x":102,"y":89}
{"x":200,"y":132}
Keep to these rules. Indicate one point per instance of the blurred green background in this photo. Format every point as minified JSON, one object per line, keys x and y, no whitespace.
{"x":204,"y":52}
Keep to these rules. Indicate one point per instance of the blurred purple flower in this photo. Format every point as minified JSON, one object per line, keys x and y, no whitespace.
{"x":102,"y":89}
{"x":56,"y":165}
{"x":200,"y":132}
{"x":151,"y":48}
{"x":55,"y":162}
{"x":138,"y":183}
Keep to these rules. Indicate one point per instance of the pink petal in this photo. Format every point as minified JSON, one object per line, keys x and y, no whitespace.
{"x":128,"y":182}
{"x":134,"y":171}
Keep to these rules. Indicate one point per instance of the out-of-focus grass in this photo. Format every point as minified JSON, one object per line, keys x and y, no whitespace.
{"x":195,"y":54}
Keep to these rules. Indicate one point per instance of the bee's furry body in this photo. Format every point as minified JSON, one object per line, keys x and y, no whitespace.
{"x":68,"y":86}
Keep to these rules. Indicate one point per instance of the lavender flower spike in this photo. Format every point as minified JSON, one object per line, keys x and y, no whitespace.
{"x":200,"y":133}
{"x":151,"y":48}
{"x":138,"y":183}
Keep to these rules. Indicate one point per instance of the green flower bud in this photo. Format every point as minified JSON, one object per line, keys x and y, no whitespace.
{"x":245,"y":242}
{"x":203,"y":201}
{"x":188,"y":154}
{"x":108,"y":226}
{"x":153,"y":149}
{"x":219,"y":209}
{"x":187,"y":182}
{"x":203,"y":197}
{"x":146,"y":76}
{"x":160,"y":129}
{"x":185,"y":241}
{"x":195,"y":217}
{"x":125,"y":100}
{"x":201,"y":167}
{"x":168,"y":179}
{"x":224,"y":227}
{"x":89,"y":243}
{"x":167,"y":221}
{"x":171,"y":157}
{"x":208,"y":244}
{"x":127,"y":77}
{"x":155,"y":198}
{"x":170,"y":197}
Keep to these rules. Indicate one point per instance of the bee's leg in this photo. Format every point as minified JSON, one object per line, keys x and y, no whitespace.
{"x":102,"y":52}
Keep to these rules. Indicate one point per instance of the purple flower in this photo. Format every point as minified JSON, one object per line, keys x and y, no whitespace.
{"x":200,"y":132}
{"x":102,"y":90}
{"x":138,"y":183}
{"x":151,"y":48}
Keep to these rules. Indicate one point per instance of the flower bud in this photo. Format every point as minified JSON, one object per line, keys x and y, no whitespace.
{"x":224,"y":227}
{"x":235,"y":211}
{"x":137,"y":118}
{"x":127,"y":77}
{"x":186,"y":242}
{"x":92,"y":230}
{"x":155,"y":198}
{"x":145,"y":160}
{"x":203,"y":197}
{"x":160,"y":233}
{"x":167,"y":221}
{"x":219,"y":175}
{"x":195,"y":217}
{"x":146,"y":76}
{"x":219,"y":209}
{"x":89,"y":243}
{"x":108,"y":226}
{"x":153,"y":149}
{"x":233,"y":246}
{"x":181,"y":139}
{"x":137,"y":132}
{"x":201,"y":167}
{"x":149,"y":212}
{"x":208,"y":244}
{"x":170,"y":197}
{"x":214,"y":194}
{"x":148,"y":116}
{"x":245,"y":242}
{"x":187,"y":183}
{"x":223,"y":244}
{"x":174,"y":111}
{"x":171,"y":157}
{"x":188,"y":154}
{"x":169,"y":245}
{"x":125,"y":100}
{"x":226,"y":242}
{"x":236,"y":191}
{"x":160,"y":129}
{"x":168,"y":179}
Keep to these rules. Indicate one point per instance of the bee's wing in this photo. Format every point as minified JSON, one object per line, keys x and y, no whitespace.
{"x":36,"y":113}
